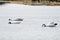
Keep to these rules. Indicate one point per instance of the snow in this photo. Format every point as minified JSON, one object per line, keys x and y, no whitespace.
{"x":31,"y":27}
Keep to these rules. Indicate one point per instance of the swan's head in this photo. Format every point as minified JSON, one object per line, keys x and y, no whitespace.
{"x":55,"y":24}
{"x":9,"y":22}
{"x":9,"y":19}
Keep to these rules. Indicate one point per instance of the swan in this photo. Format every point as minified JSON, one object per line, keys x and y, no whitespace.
{"x":18,"y":19}
{"x":14,"y":22}
{"x":50,"y":25}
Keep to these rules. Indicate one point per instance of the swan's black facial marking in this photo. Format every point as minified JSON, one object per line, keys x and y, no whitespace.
{"x":9,"y":22}
{"x":55,"y":24}
{"x":9,"y":19}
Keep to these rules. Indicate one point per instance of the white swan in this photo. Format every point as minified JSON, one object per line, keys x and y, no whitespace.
{"x":50,"y":25}
{"x":14,"y":22}
{"x":18,"y":19}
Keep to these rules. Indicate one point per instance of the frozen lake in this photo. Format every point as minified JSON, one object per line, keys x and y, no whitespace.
{"x":31,"y":27}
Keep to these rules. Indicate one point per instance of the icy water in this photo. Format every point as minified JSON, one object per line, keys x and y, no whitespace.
{"x":31,"y":27}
